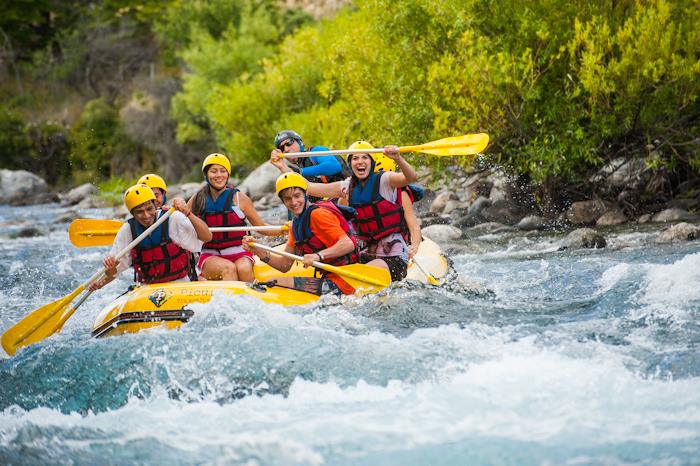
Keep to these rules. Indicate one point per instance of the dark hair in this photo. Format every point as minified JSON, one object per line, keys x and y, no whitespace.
{"x":200,"y":199}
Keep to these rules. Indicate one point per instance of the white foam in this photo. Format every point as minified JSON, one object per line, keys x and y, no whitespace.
{"x":612,"y":276}
{"x":675,"y":284}
{"x":517,"y":391}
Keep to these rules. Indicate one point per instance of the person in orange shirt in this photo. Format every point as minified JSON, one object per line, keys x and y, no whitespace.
{"x":319,"y":232}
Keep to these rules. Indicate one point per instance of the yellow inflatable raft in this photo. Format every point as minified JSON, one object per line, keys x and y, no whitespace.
{"x":166,"y":304}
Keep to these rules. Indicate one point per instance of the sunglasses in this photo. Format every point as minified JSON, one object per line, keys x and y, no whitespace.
{"x":287,"y":143}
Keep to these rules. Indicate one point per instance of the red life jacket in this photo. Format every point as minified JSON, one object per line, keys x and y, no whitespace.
{"x":222,"y":214}
{"x":157,"y":259}
{"x":376,"y":216}
{"x":305,"y":242}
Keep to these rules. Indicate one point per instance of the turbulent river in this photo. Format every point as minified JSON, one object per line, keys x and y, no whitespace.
{"x":572,"y":357}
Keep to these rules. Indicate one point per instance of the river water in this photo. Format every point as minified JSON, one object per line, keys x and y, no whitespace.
{"x":573,"y":357}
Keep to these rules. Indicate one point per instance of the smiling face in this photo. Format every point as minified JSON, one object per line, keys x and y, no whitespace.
{"x":158,"y":193}
{"x":361,"y":165}
{"x":294,"y":200}
{"x":217,"y":176}
{"x":145,"y":213}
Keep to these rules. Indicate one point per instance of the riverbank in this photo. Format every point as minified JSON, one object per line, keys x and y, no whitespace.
{"x":465,"y":206}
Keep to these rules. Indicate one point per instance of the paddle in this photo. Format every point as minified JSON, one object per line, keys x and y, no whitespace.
{"x":357,"y":275}
{"x":49,"y":319}
{"x":468,"y":144}
{"x":86,"y":232}
{"x":428,"y":276}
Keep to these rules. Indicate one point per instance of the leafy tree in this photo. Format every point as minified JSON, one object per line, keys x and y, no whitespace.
{"x":99,"y":147}
{"x":15,"y":145}
{"x":224,"y":43}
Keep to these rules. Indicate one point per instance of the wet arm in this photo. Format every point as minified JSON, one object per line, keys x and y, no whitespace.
{"x":325,"y":189}
{"x":283,"y":264}
{"x":412,"y":223}
{"x":343,"y":246}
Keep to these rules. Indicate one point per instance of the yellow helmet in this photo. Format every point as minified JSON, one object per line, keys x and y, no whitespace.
{"x":290,"y":180}
{"x":137,"y":195}
{"x":383,"y":163}
{"x":218,"y":159}
{"x":362,"y":145}
{"x":153,"y":181}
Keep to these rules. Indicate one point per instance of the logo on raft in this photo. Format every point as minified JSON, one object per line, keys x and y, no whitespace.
{"x":160,"y":296}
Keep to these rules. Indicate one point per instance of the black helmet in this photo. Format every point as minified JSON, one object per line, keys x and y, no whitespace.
{"x":288,"y":134}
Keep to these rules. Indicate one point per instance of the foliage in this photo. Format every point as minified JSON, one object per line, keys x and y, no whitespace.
{"x":112,"y":190}
{"x":39,"y":148}
{"x":15,"y":144}
{"x":100,"y":148}
{"x":97,"y":56}
{"x":50,"y":152}
{"x":561,"y":87}
{"x":223,"y":42}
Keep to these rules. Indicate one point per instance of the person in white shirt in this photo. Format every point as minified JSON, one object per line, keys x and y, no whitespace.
{"x":164,"y":255}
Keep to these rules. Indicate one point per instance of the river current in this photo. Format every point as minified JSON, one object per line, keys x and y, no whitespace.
{"x":571,"y":357}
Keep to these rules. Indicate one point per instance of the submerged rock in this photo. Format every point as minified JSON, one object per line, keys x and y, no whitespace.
{"x":531,"y":222}
{"x":612,"y":217}
{"x":442,"y":233}
{"x":489,"y":227}
{"x":67,"y":216}
{"x":583,"y":238}
{"x":646,"y":218}
{"x":438,"y":205}
{"x":671,"y":215}
{"x":478,"y":205}
{"x":28,"y":232}
{"x":679,"y":232}
{"x":586,"y":212}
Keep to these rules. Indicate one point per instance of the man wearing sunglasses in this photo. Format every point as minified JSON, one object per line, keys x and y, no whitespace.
{"x":316,"y":168}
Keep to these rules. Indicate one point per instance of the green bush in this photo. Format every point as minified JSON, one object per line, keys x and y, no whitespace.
{"x":50,"y":152}
{"x":112,"y":190}
{"x":15,"y":145}
{"x":99,"y":147}
{"x":224,"y":43}
{"x":560,"y":87}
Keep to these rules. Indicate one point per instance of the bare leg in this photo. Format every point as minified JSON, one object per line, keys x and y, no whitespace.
{"x":217,"y":268}
{"x":378,"y":263}
{"x":244,"y":268}
{"x":286,"y":282}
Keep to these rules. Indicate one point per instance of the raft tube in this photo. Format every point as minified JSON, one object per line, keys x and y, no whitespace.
{"x":167,"y":304}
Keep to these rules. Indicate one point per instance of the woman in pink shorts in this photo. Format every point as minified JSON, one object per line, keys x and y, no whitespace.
{"x":223,"y":258}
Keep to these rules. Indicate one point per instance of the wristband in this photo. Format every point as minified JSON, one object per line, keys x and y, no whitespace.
{"x":265,"y":259}
{"x":320,"y":256}
{"x":188,"y":214}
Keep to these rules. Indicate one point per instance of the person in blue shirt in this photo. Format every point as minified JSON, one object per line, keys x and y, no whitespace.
{"x":316,"y":168}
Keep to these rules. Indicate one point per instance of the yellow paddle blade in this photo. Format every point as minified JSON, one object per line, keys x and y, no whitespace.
{"x":86,"y":232}
{"x":362,"y":276}
{"x":468,"y":144}
{"x":39,"y":324}
{"x":428,"y":276}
